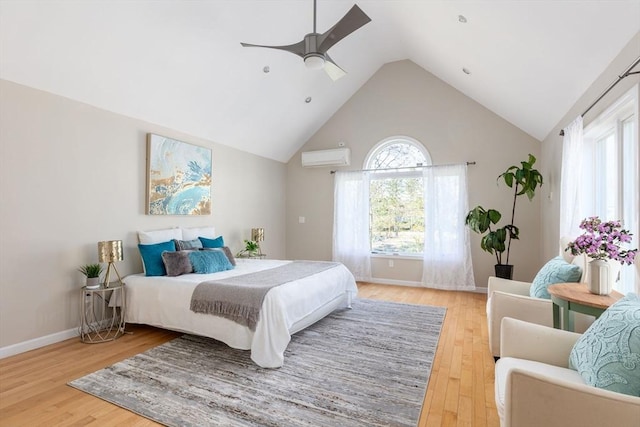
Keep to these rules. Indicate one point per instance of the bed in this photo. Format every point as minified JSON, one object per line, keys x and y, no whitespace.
{"x":164,"y":302}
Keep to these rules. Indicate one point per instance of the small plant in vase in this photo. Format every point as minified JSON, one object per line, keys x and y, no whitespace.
{"x":602,"y":242}
{"x":92,"y":273}
{"x":251,"y":248}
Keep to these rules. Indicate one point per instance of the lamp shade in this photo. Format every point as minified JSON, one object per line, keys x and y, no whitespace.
{"x":110,"y":251}
{"x":314,"y":61}
{"x":257,"y":234}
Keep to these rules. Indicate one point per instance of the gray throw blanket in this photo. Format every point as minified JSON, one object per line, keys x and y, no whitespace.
{"x":240,"y":298}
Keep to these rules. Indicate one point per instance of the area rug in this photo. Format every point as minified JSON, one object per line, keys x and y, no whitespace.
{"x":365,"y":366}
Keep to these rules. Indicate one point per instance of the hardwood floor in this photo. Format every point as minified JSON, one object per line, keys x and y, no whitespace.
{"x":33,"y":390}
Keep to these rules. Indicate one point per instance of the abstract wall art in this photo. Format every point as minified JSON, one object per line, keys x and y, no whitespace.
{"x":178,"y":177}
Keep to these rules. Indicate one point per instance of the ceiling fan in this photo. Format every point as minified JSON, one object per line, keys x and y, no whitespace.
{"x":313,"y":48}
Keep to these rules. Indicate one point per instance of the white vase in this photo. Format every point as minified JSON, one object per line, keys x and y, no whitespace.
{"x":602,"y":274}
{"x":93,"y":282}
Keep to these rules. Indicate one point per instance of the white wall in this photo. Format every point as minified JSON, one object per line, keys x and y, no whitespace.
{"x":404,"y":99}
{"x":72,"y":175}
{"x":552,"y":145}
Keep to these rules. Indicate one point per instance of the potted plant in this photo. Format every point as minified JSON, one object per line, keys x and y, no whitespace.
{"x":524,"y":180}
{"x":92,"y":273}
{"x":251,"y":248}
{"x":603,"y":241}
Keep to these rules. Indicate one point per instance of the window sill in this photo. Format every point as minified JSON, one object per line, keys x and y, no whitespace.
{"x":392,"y":256}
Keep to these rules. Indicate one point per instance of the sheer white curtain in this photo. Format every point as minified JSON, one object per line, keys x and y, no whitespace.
{"x":447,"y":249}
{"x":571,"y":177}
{"x":351,"y":244}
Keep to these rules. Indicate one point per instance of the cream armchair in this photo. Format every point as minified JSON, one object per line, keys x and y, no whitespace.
{"x":535,"y":387}
{"x":510,"y":298}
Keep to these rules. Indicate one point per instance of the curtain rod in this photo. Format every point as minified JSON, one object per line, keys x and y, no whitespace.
{"x":405,"y":167}
{"x":626,"y":73}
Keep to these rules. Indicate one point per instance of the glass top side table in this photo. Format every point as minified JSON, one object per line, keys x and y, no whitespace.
{"x":102,"y":313}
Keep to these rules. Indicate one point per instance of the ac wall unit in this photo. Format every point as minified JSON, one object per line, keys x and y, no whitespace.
{"x":335,"y":157}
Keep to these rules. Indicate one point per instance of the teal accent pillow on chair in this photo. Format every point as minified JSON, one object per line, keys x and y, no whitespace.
{"x":607,"y":355}
{"x":556,"y":270}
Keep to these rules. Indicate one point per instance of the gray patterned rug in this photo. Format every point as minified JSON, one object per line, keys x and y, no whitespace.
{"x":368,"y":366}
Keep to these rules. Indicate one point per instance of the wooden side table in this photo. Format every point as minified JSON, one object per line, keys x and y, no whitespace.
{"x":102,"y":313}
{"x":576,"y":297}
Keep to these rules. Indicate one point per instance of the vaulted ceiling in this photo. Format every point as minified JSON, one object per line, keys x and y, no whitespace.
{"x":180,"y":64}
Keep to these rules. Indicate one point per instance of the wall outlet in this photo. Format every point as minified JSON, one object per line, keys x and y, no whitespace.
{"x":391,"y":263}
{"x":301,"y":219}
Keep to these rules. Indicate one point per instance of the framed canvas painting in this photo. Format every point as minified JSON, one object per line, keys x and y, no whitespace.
{"x":178,"y":177}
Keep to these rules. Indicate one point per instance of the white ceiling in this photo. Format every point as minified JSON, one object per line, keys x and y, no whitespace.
{"x":180,"y":64}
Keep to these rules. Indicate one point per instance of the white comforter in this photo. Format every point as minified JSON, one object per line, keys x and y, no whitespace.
{"x":165,"y":302}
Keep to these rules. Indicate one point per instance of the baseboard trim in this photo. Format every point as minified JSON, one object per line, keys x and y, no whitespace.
{"x":21,"y":347}
{"x":415,"y":284}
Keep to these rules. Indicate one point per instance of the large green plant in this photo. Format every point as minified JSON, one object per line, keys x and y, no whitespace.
{"x":524,"y":180}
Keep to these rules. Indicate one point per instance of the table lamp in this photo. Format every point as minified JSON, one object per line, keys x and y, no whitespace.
{"x":110,"y":251}
{"x":257,"y":235}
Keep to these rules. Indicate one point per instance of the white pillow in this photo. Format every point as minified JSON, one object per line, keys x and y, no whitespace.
{"x":159,"y":236}
{"x":195,"y":232}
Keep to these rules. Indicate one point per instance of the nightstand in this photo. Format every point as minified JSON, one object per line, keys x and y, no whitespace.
{"x":102,"y":313}
{"x":254,"y":256}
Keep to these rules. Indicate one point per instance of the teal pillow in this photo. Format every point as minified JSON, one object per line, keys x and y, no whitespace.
{"x":556,"y":270}
{"x":152,"y":257}
{"x":218,"y":242}
{"x":211,"y":261}
{"x":607,"y":355}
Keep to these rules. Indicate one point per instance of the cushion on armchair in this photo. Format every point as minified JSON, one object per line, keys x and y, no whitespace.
{"x":556,"y":270}
{"x":607,"y":355}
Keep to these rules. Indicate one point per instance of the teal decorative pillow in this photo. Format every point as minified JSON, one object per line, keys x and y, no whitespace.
{"x":226,"y":251}
{"x":607,"y":355}
{"x":152,"y":257}
{"x":210,"y":261}
{"x":185,"y":245}
{"x":218,"y":242}
{"x":556,"y":270}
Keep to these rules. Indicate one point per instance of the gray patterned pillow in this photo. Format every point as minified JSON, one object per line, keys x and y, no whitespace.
{"x":607,"y":355}
{"x":177,"y":263}
{"x":186,"y":245}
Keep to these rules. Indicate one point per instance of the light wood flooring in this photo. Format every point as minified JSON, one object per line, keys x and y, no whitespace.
{"x":33,"y":390}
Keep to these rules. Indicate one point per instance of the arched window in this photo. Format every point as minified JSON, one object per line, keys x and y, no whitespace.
{"x":397,"y":152}
{"x":397,"y":196}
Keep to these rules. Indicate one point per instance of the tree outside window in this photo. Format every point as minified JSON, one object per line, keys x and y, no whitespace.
{"x":397,"y":197}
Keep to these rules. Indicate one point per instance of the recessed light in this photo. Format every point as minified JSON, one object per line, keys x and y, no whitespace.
{"x":462,"y":19}
{"x":466,"y":71}
{"x":308,"y":99}
{"x":266,"y":69}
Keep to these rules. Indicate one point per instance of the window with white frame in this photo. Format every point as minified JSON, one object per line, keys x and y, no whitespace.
{"x":397,"y":196}
{"x":613,"y":158}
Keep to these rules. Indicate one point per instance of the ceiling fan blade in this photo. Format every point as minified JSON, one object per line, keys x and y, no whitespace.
{"x":332,"y":69}
{"x":350,"y":22}
{"x":296,"y":49}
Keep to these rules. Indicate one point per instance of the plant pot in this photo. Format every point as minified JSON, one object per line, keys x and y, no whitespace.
{"x":92,"y":283}
{"x":602,"y":275}
{"x":504,"y":271}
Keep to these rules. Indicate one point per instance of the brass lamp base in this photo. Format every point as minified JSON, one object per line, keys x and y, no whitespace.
{"x":108,"y":274}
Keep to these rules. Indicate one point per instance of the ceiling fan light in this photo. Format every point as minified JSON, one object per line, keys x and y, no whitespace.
{"x":314,"y":61}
